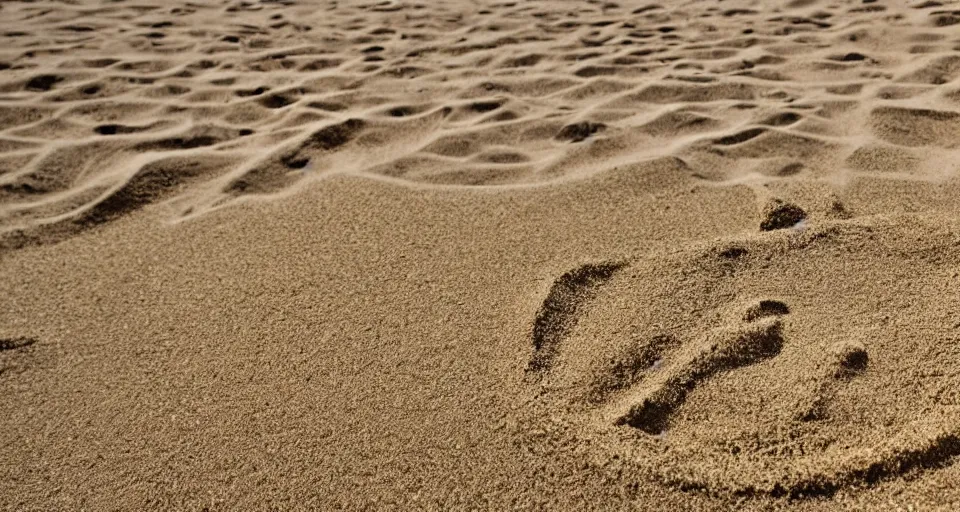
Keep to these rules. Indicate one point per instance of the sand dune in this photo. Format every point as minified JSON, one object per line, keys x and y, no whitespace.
{"x":493,"y":254}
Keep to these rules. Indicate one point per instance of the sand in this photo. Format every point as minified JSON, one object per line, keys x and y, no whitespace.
{"x":571,"y":255}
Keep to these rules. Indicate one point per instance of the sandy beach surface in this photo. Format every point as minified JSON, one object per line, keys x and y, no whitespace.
{"x":484,"y":255}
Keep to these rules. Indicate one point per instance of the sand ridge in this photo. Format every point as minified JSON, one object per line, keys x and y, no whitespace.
{"x":479,"y":255}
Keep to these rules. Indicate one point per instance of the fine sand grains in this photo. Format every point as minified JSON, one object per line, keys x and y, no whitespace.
{"x":572,"y":254}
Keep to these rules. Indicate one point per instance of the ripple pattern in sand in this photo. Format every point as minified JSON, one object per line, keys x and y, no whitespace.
{"x":106,"y":108}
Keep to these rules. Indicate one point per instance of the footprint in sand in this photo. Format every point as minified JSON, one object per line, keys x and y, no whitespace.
{"x":786,"y":364}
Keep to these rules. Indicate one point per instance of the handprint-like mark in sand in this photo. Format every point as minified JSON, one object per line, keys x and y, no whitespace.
{"x":762,"y":366}
{"x":721,"y":350}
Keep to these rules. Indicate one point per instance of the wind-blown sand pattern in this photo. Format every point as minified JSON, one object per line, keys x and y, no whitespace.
{"x":287,"y":254}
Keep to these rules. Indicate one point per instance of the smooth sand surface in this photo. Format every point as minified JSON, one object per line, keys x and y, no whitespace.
{"x":443,"y":255}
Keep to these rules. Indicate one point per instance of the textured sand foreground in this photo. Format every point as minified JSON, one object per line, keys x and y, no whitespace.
{"x":290,"y":254}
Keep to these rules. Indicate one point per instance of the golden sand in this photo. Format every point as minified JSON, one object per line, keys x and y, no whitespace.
{"x":460,"y":254}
